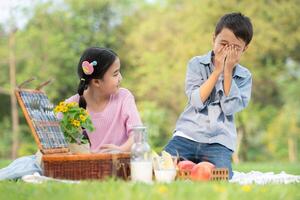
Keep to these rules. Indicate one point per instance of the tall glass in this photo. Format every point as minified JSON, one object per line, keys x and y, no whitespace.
{"x":141,"y":161}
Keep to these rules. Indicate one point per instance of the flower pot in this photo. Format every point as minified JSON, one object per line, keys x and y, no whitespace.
{"x":79,"y":148}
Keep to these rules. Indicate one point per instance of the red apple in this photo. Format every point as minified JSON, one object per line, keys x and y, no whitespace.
{"x":185,"y":165}
{"x":202,"y":171}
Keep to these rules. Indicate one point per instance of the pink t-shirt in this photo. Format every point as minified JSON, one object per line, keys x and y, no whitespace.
{"x":114,"y":123}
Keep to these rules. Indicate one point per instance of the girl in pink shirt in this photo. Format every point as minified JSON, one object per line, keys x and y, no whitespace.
{"x":112,"y":109}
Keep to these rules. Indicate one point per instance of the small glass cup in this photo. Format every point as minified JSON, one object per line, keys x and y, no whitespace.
{"x":164,"y":174}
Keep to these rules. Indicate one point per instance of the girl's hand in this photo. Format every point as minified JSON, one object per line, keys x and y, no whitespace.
{"x":109,"y":148}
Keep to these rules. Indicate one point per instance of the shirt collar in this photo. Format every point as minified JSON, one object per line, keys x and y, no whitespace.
{"x":240,"y":71}
{"x":206,"y":59}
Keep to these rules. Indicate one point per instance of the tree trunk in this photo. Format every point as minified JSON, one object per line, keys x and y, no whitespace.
{"x":235,"y":155}
{"x":13,"y":101}
{"x":239,"y":154}
{"x":292,"y":145}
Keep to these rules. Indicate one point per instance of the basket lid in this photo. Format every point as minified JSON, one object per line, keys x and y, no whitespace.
{"x":44,"y":125}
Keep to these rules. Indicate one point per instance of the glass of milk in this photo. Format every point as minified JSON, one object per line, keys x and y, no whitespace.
{"x":141,"y":160}
{"x":163,"y":173}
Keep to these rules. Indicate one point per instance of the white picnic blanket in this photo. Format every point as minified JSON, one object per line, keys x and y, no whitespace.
{"x":262,"y":178}
{"x":37,"y":178}
{"x":253,"y":177}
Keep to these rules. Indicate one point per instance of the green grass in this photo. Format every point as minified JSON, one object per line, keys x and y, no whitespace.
{"x":4,"y":163}
{"x":277,"y":167}
{"x":111,"y":189}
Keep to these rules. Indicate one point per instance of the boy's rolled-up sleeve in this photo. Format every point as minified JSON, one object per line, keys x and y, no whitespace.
{"x":194,"y":80}
{"x":239,"y":95}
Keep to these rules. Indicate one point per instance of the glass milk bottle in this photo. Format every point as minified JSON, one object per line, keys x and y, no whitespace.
{"x":141,"y":162}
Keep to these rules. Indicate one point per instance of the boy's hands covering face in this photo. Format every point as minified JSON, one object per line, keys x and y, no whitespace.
{"x":220,"y":57}
{"x":226,"y":58}
{"x":232,"y":58}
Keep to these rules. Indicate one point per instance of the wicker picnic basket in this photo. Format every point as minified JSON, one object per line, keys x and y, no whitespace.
{"x":218,"y":174}
{"x":57,"y":160}
{"x":86,"y":166}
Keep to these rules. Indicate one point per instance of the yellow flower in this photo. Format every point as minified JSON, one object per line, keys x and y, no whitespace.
{"x":76,"y":123}
{"x":72,"y":104}
{"x":218,"y":188}
{"x":62,"y":104}
{"x":74,"y":117}
{"x":57,"y":109}
{"x":162,"y":189}
{"x":82,"y":118}
{"x":246,"y":188}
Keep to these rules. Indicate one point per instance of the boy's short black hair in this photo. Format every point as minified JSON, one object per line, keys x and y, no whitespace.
{"x":239,"y":24}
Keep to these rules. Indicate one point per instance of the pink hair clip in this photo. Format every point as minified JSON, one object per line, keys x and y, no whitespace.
{"x":88,"y":68}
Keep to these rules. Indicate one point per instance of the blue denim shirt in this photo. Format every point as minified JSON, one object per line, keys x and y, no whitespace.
{"x":212,"y":121}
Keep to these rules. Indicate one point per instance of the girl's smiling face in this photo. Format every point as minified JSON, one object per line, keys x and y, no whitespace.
{"x":110,"y":83}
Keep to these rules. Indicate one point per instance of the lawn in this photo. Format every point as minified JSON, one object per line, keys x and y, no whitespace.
{"x":112,"y":189}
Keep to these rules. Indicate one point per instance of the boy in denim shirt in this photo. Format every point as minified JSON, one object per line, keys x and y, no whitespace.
{"x":217,"y":87}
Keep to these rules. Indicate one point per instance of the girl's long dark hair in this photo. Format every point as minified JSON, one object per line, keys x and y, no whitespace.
{"x":104,"y":57}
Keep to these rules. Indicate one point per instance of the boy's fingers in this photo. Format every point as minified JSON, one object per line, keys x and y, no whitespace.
{"x":235,"y":52}
{"x":238,"y":52}
{"x":220,"y":50}
{"x":231,"y":51}
{"x":225,"y":52}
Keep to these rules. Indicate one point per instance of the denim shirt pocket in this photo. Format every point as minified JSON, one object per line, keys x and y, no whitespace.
{"x":213,"y":128}
{"x":203,"y":119}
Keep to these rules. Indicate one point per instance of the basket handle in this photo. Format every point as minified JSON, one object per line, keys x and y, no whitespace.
{"x":124,"y":171}
{"x":20,"y":86}
{"x":40,"y":86}
{"x":117,"y":165}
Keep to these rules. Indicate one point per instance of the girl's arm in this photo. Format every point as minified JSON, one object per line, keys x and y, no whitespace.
{"x":126,"y":147}
{"x":131,"y":118}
